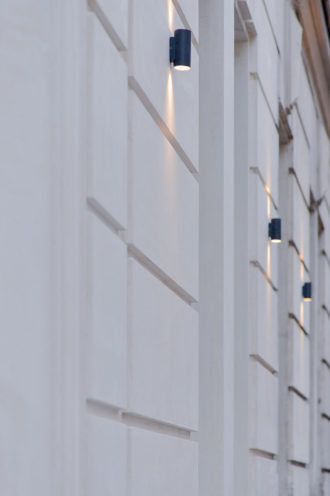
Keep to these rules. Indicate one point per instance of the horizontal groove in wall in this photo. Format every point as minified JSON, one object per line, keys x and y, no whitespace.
{"x":325,"y":470}
{"x":327,"y":311}
{"x":264,"y":364}
{"x":302,"y":124}
{"x":271,"y":27}
{"x":262,"y":453}
{"x":326,"y":256}
{"x":133,"y":420}
{"x":159,"y":274}
{"x":295,"y":463}
{"x":296,"y":320}
{"x":185,"y":22}
{"x":298,"y":393}
{"x":326,"y":363}
{"x":256,"y":171}
{"x":133,"y":84}
{"x":256,"y":77}
{"x":293,"y":172}
{"x":96,"y":9}
{"x":100,"y":212}
{"x":256,"y":264}
{"x":120,"y":415}
{"x":293,"y":244}
{"x":101,"y":409}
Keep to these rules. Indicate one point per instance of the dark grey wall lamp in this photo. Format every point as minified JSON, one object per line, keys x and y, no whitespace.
{"x":307,"y":291}
{"x":274,"y":230}
{"x":180,"y":49}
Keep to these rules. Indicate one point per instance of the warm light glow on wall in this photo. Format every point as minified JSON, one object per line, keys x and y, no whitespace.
{"x":170,"y":10}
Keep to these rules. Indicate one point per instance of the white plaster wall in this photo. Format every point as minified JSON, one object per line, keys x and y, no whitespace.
{"x":27,"y":368}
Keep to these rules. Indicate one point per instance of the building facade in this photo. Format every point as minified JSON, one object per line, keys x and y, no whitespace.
{"x":154,"y":341}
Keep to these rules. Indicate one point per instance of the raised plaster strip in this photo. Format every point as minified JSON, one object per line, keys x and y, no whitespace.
{"x":161,"y":275}
{"x":256,"y":264}
{"x":100,"y":212}
{"x":255,"y":76}
{"x":298,"y":393}
{"x":132,"y":83}
{"x":293,"y":172}
{"x":264,"y":364}
{"x":293,"y":244}
{"x":262,"y":453}
{"x":101,"y":409}
{"x":302,"y":125}
{"x":298,"y":464}
{"x":96,"y":9}
{"x":133,"y":420}
{"x":296,"y":320}
{"x":256,"y":170}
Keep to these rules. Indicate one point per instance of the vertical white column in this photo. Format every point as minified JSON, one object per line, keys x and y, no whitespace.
{"x":216,"y":455}
{"x":241,"y":255}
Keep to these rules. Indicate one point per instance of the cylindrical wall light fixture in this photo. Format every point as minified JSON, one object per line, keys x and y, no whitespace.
{"x":180,"y":49}
{"x":307,"y":291}
{"x":274,"y":230}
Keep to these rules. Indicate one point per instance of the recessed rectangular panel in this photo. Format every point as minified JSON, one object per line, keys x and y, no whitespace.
{"x":301,"y":154}
{"x":164,"y":215}
{"x":263,"y":409}
{"x":163,"y":351}
{"x":298,"y":429}
{"x":107,"y":123}
{"x":106,"y":457}
{"x":297,"y":306}
{"x":325,"y":389}
{"x":300,"y":480}
{"x":300,"y":222}
{"x":325,"y":443}
{"x":107,"y":286}
{"x":264,"y":141}
{"x":265,"y":59}
{"x":299,"y":359}
{"x":262,"y":249}
{"x":173,"y":94}
{"x":263,"y":476}
{"x":162,"y":465}
{"x":263,"y":319}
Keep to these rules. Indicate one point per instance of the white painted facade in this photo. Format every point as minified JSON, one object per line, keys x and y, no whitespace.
{"x":153,"y":341}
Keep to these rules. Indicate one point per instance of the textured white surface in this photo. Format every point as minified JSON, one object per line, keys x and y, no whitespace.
{"x":264,"y":319}
{"x":163,"y":215}
{"x":106,"y":457}
{"x":107,"y":287}
{"x":300,"y":481}
{"x":163,"y":351}
{"x":263,"y":476}
{"x":162,"y":465}
{"x":107,"y":123}
{"x":174,"y":94}
{"x":299,"y":429}
{"x":263,"y":407}
{"x":299,"y":363}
